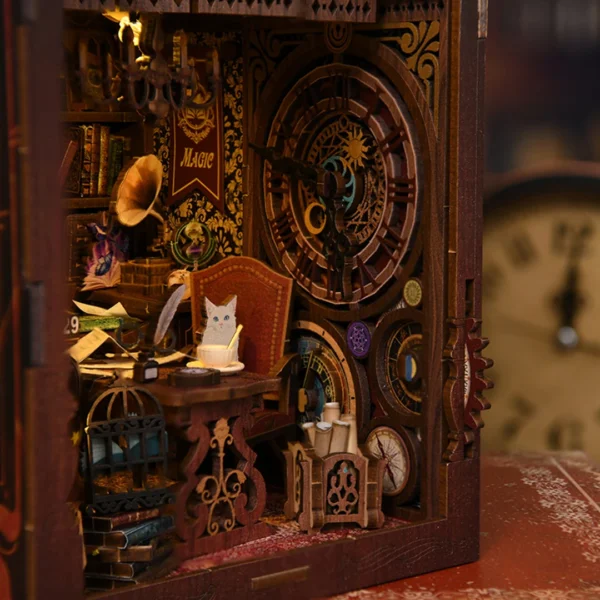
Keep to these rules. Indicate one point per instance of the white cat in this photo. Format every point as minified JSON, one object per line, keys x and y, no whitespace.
{"x":220,"y":324}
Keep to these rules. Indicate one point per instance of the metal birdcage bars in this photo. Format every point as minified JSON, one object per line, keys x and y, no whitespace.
{"x":126,"y":463}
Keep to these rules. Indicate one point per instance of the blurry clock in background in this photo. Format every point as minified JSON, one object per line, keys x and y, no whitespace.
{"x":541,"y":309}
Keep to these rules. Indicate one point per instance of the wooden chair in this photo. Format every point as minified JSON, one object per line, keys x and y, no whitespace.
{"x":263,"y":308}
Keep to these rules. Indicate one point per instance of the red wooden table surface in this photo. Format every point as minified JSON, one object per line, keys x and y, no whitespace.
{"x":540,"y":536}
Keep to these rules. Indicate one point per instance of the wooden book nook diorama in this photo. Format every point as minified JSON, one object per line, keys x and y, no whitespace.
{"x":273,"y":279}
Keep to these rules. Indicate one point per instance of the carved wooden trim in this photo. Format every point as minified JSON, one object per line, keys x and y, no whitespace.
{"x":419,"y":46}
{"x":338,"y":488}
{"x":394,"y":11}
{"x":200,"y":523}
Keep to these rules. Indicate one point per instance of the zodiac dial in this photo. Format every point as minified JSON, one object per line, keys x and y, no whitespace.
{"x":352,"y":123}
{"x":398,"y":363}
{"x":325,"y":375}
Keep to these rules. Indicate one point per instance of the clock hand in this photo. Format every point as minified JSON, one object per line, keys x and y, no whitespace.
{"x":330,"y":186}
{"x":568,"y":303}
{"x":542,"y":334}
{"x":388,"y":468}
{"x":310,"y":360}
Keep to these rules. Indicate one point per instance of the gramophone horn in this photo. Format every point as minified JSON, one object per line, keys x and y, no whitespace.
{"x":137,"y":190}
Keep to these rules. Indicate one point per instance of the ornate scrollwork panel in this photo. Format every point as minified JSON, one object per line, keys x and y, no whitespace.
{"x":219,"y":491}
{"x":342,"y":489}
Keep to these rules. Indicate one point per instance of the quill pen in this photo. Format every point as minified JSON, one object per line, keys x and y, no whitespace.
{"x":167,"y":313}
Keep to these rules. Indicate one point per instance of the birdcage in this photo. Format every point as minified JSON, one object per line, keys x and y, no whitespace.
{"x":126,"y":463}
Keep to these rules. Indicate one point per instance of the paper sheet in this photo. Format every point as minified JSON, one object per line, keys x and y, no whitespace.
{"x":88,"y":344}
{"x":128,"y":364}
{"x":118,"y":310}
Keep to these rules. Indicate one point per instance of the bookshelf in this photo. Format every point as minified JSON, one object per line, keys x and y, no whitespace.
{"x":82,"y":203}
{"x":100,"y":117}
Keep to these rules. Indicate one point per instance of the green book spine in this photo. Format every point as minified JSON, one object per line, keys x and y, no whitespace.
{"x":95,"y":169}
{"x":103,"y":169}
{"x":88,"y":323}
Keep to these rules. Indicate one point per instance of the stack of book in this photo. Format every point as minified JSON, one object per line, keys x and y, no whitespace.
{"x":121,"y":549}
{"x":100,"y":157}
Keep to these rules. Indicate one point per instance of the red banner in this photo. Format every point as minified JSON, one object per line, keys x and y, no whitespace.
{"x":197,"y":160}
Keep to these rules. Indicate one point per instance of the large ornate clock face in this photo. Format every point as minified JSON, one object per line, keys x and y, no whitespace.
{"x":343,"y":119}
{"x":324,"y":372}
{"x":541,"y":308}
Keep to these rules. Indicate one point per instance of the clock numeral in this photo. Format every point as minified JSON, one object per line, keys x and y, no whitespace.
{"x":275,"y":188}
{"x":337,"y":90}
{"x":565,"y":435}
{"x":402,"y":190}
{"x":281,"y":226}
{"x":308,"y":101}
{"x":286,"y":132}
{"x":306,"y":267}
{"x":277,"y":184}
{"x":338,"y":281}
{"x":570,"y":240}
{"x":390,"y":245}
{"x":520,"y":250}
{"x":394,"y":140}
{"x":371,"y":107}
{"x":490,"y":281}
{"x":524,"y":410}
{"x":367,"y":274}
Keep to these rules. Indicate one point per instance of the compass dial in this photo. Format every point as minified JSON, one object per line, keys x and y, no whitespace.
{"x":385,"y":443}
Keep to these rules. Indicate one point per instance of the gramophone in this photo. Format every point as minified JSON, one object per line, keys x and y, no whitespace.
{"x":135,"y":198}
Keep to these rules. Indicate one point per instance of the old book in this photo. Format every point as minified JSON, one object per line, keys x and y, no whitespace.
{"x":112,"y":582}
{"x":115,"y":160}
{"x":127,"y":153}
{"x":106,"y":524}
{"x":103,"y":169}
{"x":141,"y":553}
{"x":98,"y":583}
{"x":101,"y":557}
{"x":86,"y":161}
{"x":121,"y":570}
{"x":95,"y":167}
{"x":71,"y":165}
{"x":130,"y":536}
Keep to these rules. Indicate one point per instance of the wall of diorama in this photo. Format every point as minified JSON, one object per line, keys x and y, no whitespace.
{"x":223,"y":217}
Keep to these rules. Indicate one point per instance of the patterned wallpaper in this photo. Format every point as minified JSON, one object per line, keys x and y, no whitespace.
{"x":226,"y":227}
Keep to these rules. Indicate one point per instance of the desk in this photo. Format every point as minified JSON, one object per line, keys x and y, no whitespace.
{"x":540,"y":536}
{"x":218,"y":502}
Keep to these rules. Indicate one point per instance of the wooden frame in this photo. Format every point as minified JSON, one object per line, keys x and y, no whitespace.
{"x":41,"y":527}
